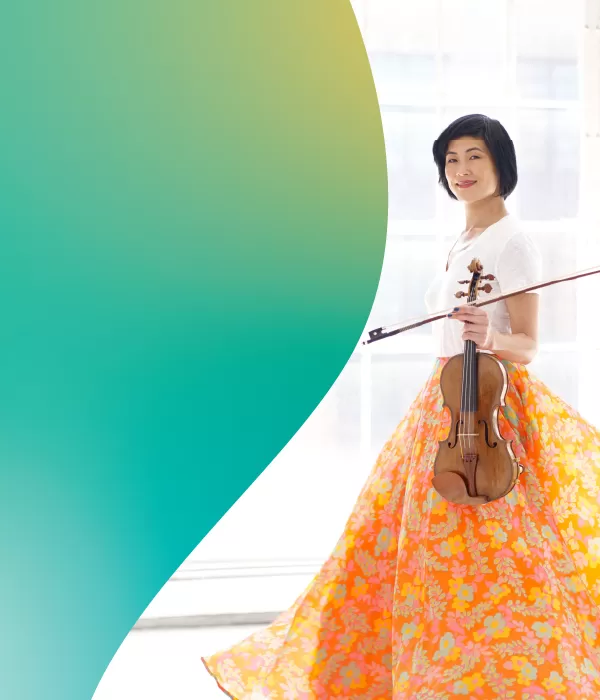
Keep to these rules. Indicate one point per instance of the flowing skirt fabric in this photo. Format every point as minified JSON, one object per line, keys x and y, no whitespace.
{"x":422,"y":599}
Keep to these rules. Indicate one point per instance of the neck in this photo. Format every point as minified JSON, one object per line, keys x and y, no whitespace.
{"x":485,"y":212}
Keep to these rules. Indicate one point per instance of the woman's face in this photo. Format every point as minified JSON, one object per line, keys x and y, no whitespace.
{"x":470,"y":170}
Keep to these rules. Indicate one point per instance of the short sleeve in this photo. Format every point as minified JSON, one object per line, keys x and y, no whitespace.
{"x":519,"y":264}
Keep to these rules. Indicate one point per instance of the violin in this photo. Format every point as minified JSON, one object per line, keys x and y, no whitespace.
{"x":474,"y":464}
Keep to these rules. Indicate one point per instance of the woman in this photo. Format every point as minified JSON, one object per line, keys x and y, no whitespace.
{"x":426,"y":599}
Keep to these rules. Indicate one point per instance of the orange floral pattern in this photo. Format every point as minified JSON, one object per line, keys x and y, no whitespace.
{"x":422,"y":599}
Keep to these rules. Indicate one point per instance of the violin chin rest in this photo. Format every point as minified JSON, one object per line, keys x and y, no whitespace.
{"x":453,"y":488}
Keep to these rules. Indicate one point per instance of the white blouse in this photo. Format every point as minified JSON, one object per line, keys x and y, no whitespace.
{"x":505,"y":252}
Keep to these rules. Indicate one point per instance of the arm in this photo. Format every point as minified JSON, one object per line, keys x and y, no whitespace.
{"x":521,"y":345}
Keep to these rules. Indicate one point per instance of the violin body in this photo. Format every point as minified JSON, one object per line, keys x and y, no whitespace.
{"x":475,"y":464}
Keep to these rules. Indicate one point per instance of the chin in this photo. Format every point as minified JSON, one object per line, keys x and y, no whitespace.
{"x":466,"y":196}
{"x":469,"y":197}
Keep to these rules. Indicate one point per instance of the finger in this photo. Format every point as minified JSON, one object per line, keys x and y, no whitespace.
{"x":468,"y":310}
{"x":480,"y":321}
{"x":471,"y":318}
{"x":475,"y":328}
{"x":473,"y":311}
{"x":475,"y":337}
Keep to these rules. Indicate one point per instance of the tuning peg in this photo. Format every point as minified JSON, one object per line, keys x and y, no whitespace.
{"x":487,"y":288}
{"x":458,"y":295}
{"x":487,"y":277}
{"x":464,"y":282}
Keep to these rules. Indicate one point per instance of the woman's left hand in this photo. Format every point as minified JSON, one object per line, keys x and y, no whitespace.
{"x":476,"y":326}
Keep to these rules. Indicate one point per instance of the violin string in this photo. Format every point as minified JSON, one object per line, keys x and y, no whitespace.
{"x":470,"y":425}
{"x":465,"y":401}
{"x":468,"y":397}
{"x":473,"y":379}
{"x":471,"y":384}
{"x":466,"y":421}
{"x":461,"y":425}
{"x":469,"y":362}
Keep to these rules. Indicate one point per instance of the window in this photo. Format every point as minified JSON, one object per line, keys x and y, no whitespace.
{"x":411,"y":187}
{"x":516,"y":61}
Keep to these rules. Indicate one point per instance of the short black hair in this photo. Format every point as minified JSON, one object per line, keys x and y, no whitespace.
{"x":496,"y":139}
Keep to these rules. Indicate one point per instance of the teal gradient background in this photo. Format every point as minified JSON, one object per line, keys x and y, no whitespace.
{"x":193,"y":206}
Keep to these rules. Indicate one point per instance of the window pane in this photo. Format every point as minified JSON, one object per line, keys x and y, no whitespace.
{"x":465,"y":75}
{"x":559,"y":371}
{"x":548,"y":152}
{"x":405,"y":276}
{"x":474,"y":40}
{"x":558,"y":312}
{"x":547,"y":34}
{"x":333,"y":429}
{"x":547,"y":79}
{"x":402,"y":78}
{"x":396,"y":381}
{"x":409,"y":135}
{"x":398,"y":26}
{"x":343,"y":407}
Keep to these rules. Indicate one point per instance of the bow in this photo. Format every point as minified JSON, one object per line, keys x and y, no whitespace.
{"x":388,"y":331}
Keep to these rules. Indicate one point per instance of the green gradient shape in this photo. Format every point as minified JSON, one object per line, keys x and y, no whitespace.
{"x":193,"y":210}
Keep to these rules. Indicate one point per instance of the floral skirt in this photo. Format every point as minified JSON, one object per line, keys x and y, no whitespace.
{"x":425,"y":599}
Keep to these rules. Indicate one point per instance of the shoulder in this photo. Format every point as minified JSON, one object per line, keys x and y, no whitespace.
{"x":518,"y":259}
{"x":521,"y":243}
{"x":513,"y":242}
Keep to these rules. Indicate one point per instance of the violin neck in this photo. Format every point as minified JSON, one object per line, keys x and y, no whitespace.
{"x":468,"y":400}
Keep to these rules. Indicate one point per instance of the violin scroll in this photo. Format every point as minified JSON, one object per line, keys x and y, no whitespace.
{"x":475,"y":266}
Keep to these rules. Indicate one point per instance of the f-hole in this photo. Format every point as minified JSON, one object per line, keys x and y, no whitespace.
{"x":487,"y":435}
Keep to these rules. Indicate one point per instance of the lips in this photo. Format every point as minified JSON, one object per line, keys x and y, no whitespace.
{"x":465,"y":183}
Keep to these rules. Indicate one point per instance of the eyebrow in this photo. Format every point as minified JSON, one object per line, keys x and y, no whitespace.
{"x":454,"y":153}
